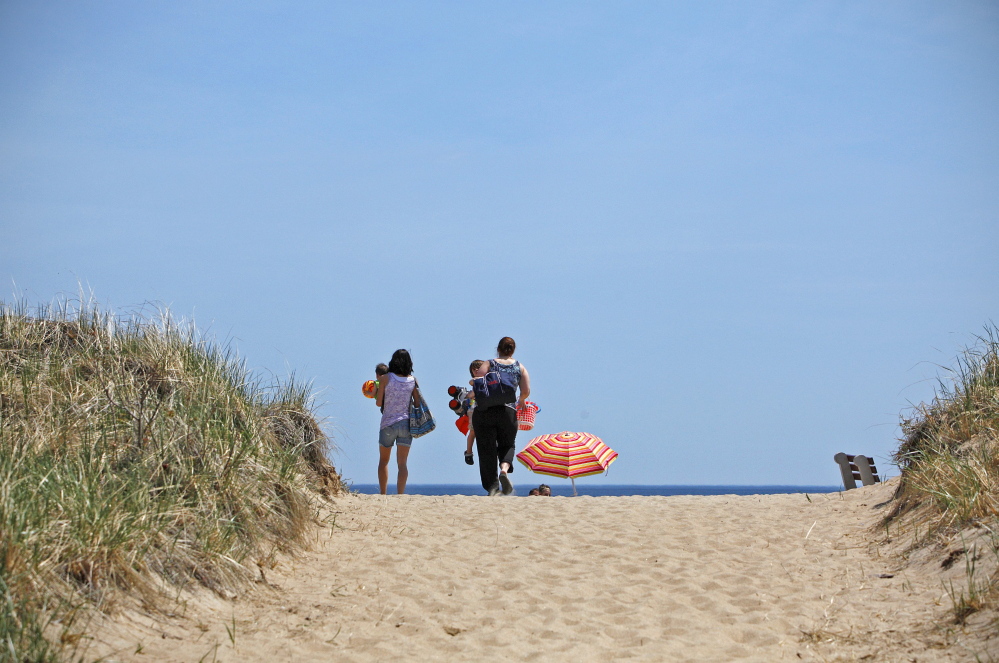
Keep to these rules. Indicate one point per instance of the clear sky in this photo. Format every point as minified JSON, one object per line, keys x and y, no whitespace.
{"x":730,"y":238}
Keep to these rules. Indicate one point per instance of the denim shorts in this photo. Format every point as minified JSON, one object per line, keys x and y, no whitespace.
{"x":397,"y":433}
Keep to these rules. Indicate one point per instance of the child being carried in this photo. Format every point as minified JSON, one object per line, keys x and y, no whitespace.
{"x":463,"y":403}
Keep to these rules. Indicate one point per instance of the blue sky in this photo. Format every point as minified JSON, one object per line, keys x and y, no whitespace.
{"x":731,"y":239}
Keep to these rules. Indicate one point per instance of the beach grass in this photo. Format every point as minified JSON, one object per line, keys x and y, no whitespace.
{"x":949,"y":454}
{"x":137,"y":454}
{"x":949,"y":461}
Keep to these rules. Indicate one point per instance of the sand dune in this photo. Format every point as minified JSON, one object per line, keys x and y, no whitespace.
{"x":705,"y":578}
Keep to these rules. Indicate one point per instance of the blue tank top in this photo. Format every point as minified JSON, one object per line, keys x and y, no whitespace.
{"x":513,"y":370}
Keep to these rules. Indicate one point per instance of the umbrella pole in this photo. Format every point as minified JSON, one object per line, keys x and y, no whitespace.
{"x":573,"y":479}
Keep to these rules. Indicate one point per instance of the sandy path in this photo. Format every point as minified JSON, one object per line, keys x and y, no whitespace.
{"x":715,"y":578}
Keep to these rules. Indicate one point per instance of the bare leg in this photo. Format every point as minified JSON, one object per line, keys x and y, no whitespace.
{"x":504,"y":467}
{"x":384,"y":453}
{"x":401,"y":455}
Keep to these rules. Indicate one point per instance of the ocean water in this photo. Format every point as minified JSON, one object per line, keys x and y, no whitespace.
{"x":564,"y":488}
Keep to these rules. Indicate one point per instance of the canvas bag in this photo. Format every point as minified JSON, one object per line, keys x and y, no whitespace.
{"x":496,"y":387}
{"x":421,"y":421}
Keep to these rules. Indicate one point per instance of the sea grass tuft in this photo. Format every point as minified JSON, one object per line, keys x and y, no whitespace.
{"x":135,"y":453}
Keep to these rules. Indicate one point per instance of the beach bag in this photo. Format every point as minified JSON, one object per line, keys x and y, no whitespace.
{"x":526,"y":414}
{"x":496,"y":387}
{"x":421,"y":421}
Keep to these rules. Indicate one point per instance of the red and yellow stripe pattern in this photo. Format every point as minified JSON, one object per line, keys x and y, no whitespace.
{"x":567,"y":455}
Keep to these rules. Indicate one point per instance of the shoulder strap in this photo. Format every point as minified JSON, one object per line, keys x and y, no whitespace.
{"x":415,"y":396}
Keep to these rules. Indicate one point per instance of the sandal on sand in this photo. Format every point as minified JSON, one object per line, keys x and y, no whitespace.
{"x":505,"y":482}
{"x":495,"y":490}
{"x":469,"y":458}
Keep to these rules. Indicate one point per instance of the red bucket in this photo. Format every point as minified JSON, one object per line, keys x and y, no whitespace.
{"x":526,"y":414}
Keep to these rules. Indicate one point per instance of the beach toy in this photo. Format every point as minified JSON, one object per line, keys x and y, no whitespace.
{"x":460,"y":401}
{"x":369,"y":387}
{"x":526,"y":414}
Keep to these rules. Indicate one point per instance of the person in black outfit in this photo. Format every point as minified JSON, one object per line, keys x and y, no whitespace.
{"x":496,"y":426}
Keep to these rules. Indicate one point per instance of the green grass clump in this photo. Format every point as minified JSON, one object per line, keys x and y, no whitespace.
{"x":135,"y":454}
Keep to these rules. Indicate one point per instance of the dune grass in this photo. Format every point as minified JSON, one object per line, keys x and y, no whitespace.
{"x":135,"y":454}
{"x":950,"y":450}
{"x":949,"y":457}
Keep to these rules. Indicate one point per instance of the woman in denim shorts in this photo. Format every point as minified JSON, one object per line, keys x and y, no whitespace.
{"x":394,"y":392}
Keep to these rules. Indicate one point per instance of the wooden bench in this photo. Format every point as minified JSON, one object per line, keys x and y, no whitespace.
{"x":856,"y":467}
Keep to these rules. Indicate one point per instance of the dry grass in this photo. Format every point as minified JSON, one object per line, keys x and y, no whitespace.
{"x":133,"y":453}
{"x":949,"y":458}
{"x":950,"y":452}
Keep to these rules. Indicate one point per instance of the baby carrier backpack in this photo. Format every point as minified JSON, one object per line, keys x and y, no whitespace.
{"x":498,"y":386}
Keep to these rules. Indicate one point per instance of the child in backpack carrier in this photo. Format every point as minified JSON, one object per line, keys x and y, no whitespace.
{"x":463,"y":403}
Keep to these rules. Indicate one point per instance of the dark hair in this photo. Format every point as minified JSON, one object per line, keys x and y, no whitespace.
{"x":401,"y":363}
{"x":474,"y":366}
{"x":381,"y":369}
{"x":506,"y":347}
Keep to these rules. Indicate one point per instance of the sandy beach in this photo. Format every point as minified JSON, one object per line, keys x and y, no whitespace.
{"x":705,"y":578}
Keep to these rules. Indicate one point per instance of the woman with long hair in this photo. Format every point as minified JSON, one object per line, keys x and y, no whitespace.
{"x":496,"y":425}
{"x":393,"y":395}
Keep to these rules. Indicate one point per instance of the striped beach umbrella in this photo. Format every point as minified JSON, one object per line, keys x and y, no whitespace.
{"x":567,"y":455}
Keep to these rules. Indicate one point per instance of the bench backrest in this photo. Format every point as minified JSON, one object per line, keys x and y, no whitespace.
{"x":854,"y":468}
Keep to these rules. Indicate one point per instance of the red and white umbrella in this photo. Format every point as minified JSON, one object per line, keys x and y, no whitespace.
{"x":567,"y":455}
